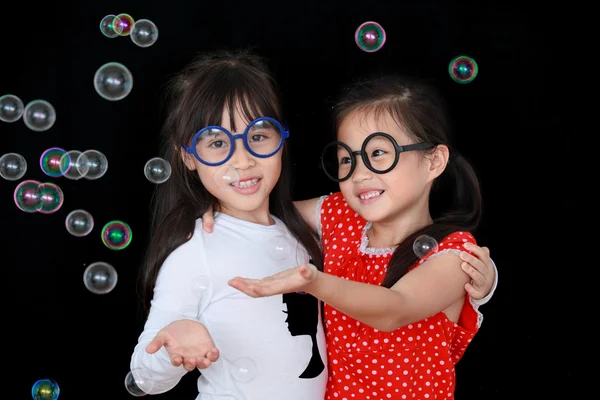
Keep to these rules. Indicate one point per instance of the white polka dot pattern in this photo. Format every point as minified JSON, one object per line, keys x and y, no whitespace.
{"x":413,"y":362}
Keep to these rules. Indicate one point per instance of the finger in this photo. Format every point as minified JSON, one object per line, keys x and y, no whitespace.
{"x":305,"y":271}
{"x":203,"y":364}
{"x":482,"y":253}
{"x":473,"y":260}
{"x":213,"y":355}
{"x":473,"y":273}
{"x":176,"y":360}
{"x":473,"y":293}
{"x":190,"y":363}
{"x":242,"y":288}
{"x":155,"y":344}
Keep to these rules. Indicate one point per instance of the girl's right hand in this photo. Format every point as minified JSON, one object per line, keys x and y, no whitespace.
{"x":187,"y":342}
{"x":208,"y":220}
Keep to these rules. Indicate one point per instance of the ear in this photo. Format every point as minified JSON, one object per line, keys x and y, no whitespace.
{"x":438,"y":160}
{"x":188,"y":159}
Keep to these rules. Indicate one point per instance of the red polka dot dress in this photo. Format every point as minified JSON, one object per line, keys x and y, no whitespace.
{"x":413,"y":362}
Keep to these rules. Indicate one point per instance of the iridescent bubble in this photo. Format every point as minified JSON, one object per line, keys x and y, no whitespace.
{"x":12,"y":166}
{"x":463,"y":69}
{"x":39,"y":115}
{"x":281,"y":247}
{"x":113,"y":81}
{"x":51,"y":198}
{"x":72,"y":166}
{"x":138,"y":382}
{"x":50,"y":161}
{"x":116,"y":235}
{"x":100,"y":278}
{"x":423,"y":245}
{"x":157,"y":170}
{"x":226,"y":176}
{"x":45,"y":389}
{"x":123,"y":24}
{"x":243,"y":369}
{"x":370,"y":36}
{"x":79,"y":223}
{"x":26,"y":196}
{"x":109,"y":26}
{"x":11,"y":108}
{"x":144,"y":33}
{"x":93,"y":163}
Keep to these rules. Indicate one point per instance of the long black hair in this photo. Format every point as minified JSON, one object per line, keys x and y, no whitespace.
{"x":416,"y":106}
{"x":196,"y":98}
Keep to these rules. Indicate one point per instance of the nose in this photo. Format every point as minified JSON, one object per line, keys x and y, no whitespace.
{"x":241,"y":158}
{"x":361,"y":172}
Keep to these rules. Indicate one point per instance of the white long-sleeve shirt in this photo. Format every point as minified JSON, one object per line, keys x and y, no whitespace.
{"x":271,"y":348}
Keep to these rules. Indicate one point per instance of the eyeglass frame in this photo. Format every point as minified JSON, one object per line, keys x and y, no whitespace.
{"x":399,"y":149}
{"x":244,"y":136}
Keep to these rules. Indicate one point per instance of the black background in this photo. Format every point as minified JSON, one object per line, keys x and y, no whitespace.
{"x":56,"y":329}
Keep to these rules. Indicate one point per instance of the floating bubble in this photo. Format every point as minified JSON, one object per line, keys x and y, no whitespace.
{"x":226,"y":176}
{"x":27,"y":197}
{"x":100,"y":277}
{"x":138,"y":382}
{"x":45,"y":389}
{"x":144,"y":33}
{"x":51,"y":198}
{"x":282,"y":247}
{"x":157,"y":170}
{"x":423,"y":245}
{"x":11,"y":108}
{"x":200,"y":285}
{"x":370,"y":36}
{"x":39,"y":115}
{"x":73,"y":166}
{"x":116,"y":235}
{"x":50,"y":161}
{"x":243,"y":369}
{"x":79,"y":223}
{"x":113,"y":81}
{"x":12,"y":166}
{"x":109,"y":26}
{"x":93,"y":163}
{"x":123,"y":24}
{"x":463,"y":69}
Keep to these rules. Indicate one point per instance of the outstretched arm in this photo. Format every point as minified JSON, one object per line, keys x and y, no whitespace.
{"x":434,"y":286}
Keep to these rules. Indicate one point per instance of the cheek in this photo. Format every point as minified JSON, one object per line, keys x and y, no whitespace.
{"x":272,"y":167}
{"x":346,"y":188}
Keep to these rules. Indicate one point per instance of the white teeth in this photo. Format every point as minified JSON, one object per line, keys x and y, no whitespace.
{"x":245,"y":184}
{"x":370,"y":195}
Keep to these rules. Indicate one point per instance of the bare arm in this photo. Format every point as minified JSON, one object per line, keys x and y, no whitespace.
{"x":309,"y":212}
{"x":421,"y":293}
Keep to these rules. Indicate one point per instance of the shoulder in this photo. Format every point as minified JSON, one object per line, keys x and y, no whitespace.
{"x":452,"y":244}
{"x":184,"y":260}
{"x":456,"y":240}
{"x":334,"y":207}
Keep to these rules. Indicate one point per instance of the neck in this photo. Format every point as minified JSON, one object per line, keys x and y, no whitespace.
{"x":260,"y":216}
{"x":385,"y":234}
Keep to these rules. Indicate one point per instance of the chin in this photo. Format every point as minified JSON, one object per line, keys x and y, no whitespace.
{"x":245,"y":203}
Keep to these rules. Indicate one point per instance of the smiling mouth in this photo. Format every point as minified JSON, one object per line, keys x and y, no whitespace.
{"x":245,"y":183}
{"x":371,"y":194}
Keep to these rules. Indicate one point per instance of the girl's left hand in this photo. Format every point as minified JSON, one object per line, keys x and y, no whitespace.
{"x":295,"y":279}
{"x":481,"y":270}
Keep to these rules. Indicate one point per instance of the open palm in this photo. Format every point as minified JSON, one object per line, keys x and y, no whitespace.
{"x":291,"y":280}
